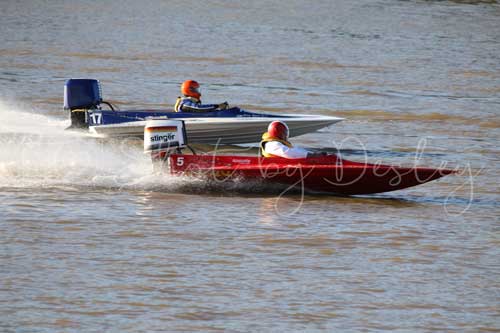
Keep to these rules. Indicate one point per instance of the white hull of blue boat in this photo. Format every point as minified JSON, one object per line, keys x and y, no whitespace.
{"x":223,"y":130}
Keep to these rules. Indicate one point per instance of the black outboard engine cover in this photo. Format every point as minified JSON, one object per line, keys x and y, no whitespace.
{"x":81,"y":95}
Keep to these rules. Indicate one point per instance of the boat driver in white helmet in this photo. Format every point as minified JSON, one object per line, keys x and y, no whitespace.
{"x":275,"y":143}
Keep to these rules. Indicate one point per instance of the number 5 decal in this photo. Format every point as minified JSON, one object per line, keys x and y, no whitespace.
{"x":180,"y":161}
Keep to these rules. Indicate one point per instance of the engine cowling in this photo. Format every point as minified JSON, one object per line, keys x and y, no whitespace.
{"x":81,"y":95}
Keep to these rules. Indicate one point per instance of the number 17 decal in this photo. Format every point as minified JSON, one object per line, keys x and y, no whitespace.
{"x":96,"y":118}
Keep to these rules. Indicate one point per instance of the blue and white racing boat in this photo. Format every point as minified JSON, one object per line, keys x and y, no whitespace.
{"x":82,"y":97}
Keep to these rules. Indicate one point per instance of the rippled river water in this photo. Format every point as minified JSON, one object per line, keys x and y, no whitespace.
{"x":92,"y":241}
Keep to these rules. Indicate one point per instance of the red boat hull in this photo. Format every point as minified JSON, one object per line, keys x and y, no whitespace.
{"x":327,"y":174}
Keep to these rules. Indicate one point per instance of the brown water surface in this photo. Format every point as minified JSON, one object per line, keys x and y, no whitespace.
{"x":91,"y":240}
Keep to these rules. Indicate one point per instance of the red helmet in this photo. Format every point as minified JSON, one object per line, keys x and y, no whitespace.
{"x":191,"y":88}
{"x":278,"y":129}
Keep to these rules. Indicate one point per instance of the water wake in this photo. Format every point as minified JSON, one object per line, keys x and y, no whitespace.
{"x":37,"y":151}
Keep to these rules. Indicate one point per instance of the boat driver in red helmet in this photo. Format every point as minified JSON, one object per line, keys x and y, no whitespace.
{"x":275,"y":143}
{"x":191,"y":99}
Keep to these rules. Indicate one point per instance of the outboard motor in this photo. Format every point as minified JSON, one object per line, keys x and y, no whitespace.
{"x":81,"y":95}
{"x":162,"y":138}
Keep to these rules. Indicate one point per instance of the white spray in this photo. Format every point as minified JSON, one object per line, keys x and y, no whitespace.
{"x":36,"y":150}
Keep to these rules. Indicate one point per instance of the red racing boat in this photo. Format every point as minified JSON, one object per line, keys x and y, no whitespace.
{"x":327,"y":174}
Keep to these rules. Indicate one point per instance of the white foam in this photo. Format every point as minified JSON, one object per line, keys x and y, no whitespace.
{"x":37,"y":151}
{"x":17,"y":120}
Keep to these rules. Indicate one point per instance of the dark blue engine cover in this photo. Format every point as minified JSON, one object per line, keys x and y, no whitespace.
{"x":82,"y":94}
